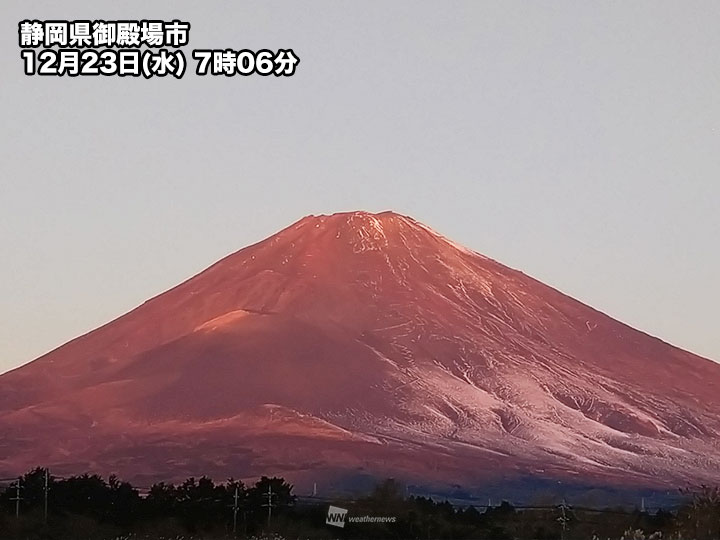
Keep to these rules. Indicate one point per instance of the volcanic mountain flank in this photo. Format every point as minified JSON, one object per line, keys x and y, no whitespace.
{"x":365,"y":344}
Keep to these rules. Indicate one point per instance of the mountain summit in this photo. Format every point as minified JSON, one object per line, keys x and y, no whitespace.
{"x":366,"y":344}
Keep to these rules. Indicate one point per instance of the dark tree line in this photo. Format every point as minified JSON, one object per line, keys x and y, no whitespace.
{"x":90,"y":507}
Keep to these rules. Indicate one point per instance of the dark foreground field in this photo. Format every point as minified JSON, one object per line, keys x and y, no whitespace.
{"x":88,"y":507}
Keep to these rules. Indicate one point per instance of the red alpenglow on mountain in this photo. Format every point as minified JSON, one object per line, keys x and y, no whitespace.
{"x":365,"y":344}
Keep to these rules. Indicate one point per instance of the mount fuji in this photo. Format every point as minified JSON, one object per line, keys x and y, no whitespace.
{"x":362,"y":344}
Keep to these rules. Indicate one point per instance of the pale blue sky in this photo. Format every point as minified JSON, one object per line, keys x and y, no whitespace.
{"x":576,"y":141}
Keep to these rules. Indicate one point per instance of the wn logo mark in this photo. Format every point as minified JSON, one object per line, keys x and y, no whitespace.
{"x":336,"y":516}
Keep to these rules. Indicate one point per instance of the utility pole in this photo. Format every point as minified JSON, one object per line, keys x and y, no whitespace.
{"x":47,"y":481}
{"x":17,"y":498}
{"x":563,"y":519}
{"x":235,"y":510}
{"x":269,"y":504}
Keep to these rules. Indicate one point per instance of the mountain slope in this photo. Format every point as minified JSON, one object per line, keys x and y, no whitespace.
{"x":366,"y":343}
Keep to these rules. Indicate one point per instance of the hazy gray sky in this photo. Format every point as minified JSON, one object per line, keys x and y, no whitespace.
{"x":576,"y":141}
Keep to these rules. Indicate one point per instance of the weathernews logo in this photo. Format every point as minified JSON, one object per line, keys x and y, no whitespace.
{"x":337,"y":517}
